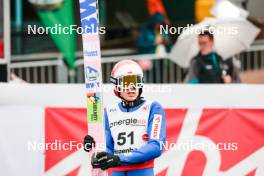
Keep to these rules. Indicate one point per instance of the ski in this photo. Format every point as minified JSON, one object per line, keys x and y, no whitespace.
{"x":93,"y":77}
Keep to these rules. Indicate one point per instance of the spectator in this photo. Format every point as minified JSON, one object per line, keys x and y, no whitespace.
{"x":208,"y":66}
{"x":152,"y":40}
{"x":149,"y":37}
{"x":156,"y":6}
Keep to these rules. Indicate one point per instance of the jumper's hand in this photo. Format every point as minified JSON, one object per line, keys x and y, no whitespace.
{"x":105,"y":160}
{"x":88,"y":143}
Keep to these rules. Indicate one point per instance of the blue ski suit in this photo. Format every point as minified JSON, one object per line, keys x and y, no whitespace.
{"x":136,"y":135}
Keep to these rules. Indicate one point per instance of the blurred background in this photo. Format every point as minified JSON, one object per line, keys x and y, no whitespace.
{"x":49,"y":58}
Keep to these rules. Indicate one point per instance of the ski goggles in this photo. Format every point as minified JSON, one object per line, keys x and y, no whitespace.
{"x":128,"y":82}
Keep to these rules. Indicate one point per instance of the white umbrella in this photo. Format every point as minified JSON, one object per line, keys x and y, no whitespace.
{"x":230,"y":37}
{"x":225,"y":9}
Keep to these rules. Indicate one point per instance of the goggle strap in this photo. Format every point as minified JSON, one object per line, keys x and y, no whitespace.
{"x":113,"y":80}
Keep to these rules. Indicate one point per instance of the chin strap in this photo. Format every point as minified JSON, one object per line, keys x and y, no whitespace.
{"x":131,"y":104}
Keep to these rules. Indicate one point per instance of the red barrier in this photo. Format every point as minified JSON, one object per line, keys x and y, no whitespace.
{"x":238,"y":134}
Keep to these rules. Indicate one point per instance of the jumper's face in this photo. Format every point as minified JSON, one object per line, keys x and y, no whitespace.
{"x":130,"y":94}
{"x":205,"y":44}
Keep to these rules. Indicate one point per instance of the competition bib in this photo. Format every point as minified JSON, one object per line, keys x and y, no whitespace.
{"x":128,"y":129}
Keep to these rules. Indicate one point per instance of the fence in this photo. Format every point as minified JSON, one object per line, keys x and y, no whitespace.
{"x":253,"y":59}
{"x":50,"y":67}
{"x":40,"y":68}
{"x":163,"y":70}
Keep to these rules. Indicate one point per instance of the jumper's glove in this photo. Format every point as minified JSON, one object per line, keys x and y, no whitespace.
{"x":105,"y":160}
{"x":88,"y":143}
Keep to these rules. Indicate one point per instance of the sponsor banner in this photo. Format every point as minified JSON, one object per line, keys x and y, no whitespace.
{"x":200,"y":142}
{"x":207,"y":135}
{"x":205,"y":142}
{"x":68,"y":126}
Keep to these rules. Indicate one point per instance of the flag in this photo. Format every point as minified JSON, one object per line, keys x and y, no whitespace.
{"x":61,"y":14}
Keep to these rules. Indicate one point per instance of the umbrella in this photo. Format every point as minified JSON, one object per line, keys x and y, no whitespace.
{"x":231,"y":36}
{"x":225,"y":9}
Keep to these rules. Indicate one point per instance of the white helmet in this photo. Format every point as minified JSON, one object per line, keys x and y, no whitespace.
{"x":126,"y":73}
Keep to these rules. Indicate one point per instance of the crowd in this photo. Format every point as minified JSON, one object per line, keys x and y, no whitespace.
{"x":207,"y":66}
